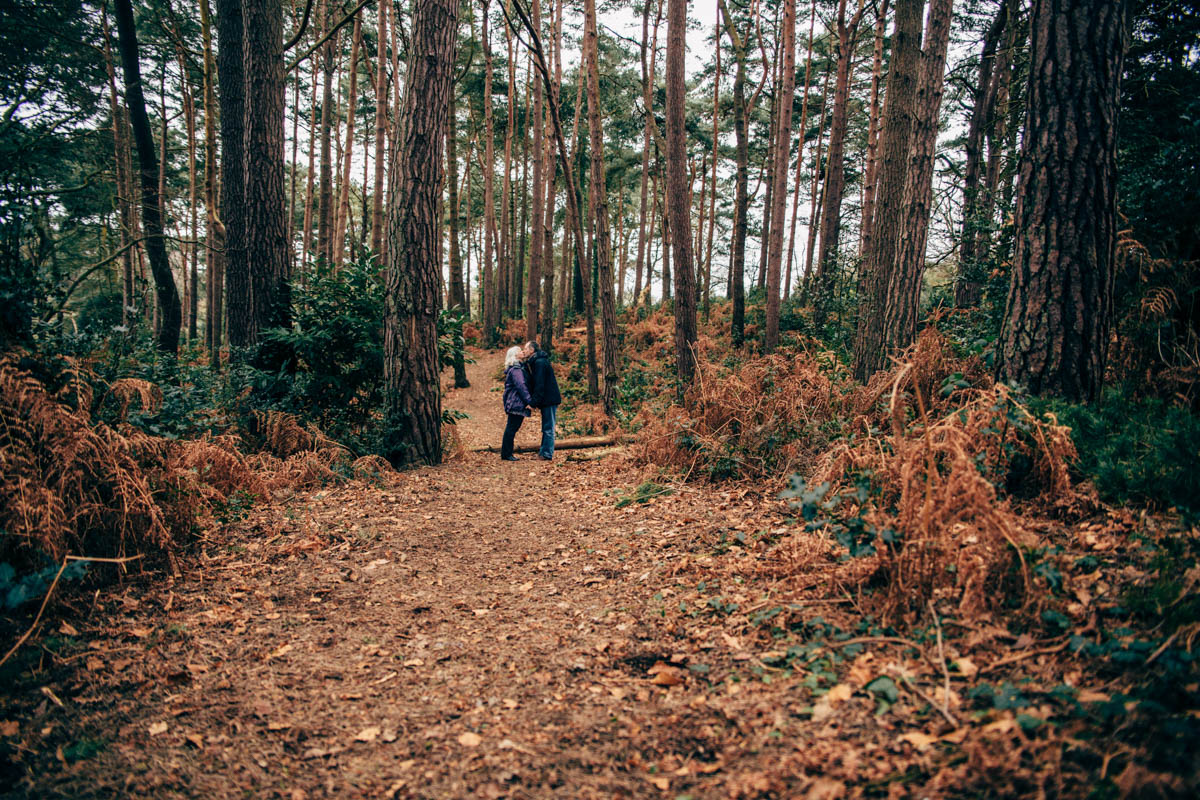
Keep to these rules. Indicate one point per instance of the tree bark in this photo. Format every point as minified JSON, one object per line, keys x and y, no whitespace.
{"x":685,"y":281}
{"x":121,"y":176}
{"x":381,"y":105}
{"x":599,"y":204}
{"x":741,"y":203}
{"x":904,"y":288}
{"x":164,"y":282}
{"x":343,"y":209}
{"x":783,"y":141}
{"x":412,"y":398}
{"x":869,"y":173}
{"x":533,"y":290}
{"x":835,"y":182}
{"x":1056,"y":326}
{"x":967,"y":288}
{"x":266,"y":229}
{"x":325,"y":192}
{"x":869,"y":341}
{"x":490,"y":305}
{"x":231,"y":78}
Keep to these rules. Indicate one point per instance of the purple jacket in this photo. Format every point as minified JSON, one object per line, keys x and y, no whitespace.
{"x":516,"y":393}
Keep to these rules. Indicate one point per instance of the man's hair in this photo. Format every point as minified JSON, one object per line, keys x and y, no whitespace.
{"x":533,"y":343}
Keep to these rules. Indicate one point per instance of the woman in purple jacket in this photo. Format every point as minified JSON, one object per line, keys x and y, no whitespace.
{"x":516,"y":400}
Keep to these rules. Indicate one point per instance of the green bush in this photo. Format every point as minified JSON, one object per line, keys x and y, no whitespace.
{"x":1136,"y":450}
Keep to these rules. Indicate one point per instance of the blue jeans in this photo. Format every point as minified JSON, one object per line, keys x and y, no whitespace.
{"x":549,"y":415}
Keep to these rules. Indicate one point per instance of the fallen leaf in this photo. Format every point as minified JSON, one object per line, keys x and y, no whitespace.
{"x":9,"y":727}
{"x":525,"y":587}
{"x":282,"y":650}
{"x":141,"y":633}
{"x":367,"y":734}
{"x":840,"y":693}
{"x":278,"y":726}
{"x":663,"y":783}
{"x":388,"y":736}
{"x":469,"y":739}
{"x":414,"y":662}
{"x":157,"y":728}
{"x":966,"y":667}
{"x":668,"y":676}
{"x":917,"y":739}
{"x":196,"y":740}
{"x":68,"y":629}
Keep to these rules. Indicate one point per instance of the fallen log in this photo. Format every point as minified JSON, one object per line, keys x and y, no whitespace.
{"x":581,"y":443}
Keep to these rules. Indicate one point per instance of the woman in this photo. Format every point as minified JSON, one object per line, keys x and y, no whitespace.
{"x":516,"y":400}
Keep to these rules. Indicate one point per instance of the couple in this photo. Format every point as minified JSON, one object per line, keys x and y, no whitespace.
{"x":529,"y":382}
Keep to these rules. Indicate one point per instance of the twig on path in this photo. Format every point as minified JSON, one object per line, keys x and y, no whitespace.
{"x":912,"y":687}
{"x":942,"y":659}
{"x":50,"y":591}
{"x":1027,"y":654}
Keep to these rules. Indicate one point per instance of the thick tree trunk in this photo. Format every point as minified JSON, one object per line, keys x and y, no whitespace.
{"x":869,"y":343}
{"x":1056,"y":326}
{"x":904,"y":289}
{"x":779,"y":185}
{"x":412,"y":397}
{"x":685,"y":281}
{"x":791,"y":248}
{"x":164,"y":282}
{"x":231,"y":77}
{"x":266,"y":229}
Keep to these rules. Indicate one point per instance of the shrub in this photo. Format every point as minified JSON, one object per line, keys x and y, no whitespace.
{"x":1136,"y":450}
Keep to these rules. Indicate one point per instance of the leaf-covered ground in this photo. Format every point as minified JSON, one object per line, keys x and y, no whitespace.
{"x":530,"y":629}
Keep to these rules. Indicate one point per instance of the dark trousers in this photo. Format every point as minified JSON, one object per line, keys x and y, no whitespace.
{"x":510,"y":430}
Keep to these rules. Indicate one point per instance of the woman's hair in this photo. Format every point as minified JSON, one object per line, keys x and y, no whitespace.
{"x":512,"y":357}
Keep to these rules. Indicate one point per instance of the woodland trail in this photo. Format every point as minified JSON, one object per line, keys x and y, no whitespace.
{"x":478,"y":629}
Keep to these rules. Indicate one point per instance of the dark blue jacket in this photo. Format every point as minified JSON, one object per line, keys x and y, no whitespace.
{"x":516,"y":393}
{"x":543,"y":384}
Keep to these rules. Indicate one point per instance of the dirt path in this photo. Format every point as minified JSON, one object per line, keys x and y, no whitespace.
{"x":479,"y":629}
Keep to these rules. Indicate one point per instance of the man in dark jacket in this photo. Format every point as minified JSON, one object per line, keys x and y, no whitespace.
{"x":543,"y":390}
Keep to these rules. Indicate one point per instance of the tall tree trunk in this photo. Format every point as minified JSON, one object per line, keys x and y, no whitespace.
{"x":325,"y":192}
{"x":835,"y":182}
{"x":343,"y":210}
{"x":164,"y":283}
{"x":685,"y":286}
{"x":814,"y":214}
{"x":381,"y":105}
{"x":648,"y":70}
{"x":706,"y":289}
{"x":968,"y":287}
{"x":869,"y":346}
{"x":547,"y":316}
{"x":783,"y":140}
{"x":457,"y":292}
{"x":873,"y":111}
{"x":214,"y":228}
{"x":507,"y":243}
{"x":489,"y":288}
{"x":1055,"y":334}
{"x":791,"y":248}
{"x":412,"y":398}
{"x":741,"y":204}
{"x":599,"y":204}
{"x":231,"y":77}
{"x":266,"y":229}
{"x":121,"y":166}
{"x":904,"y":289}
{"x":533,"y":290}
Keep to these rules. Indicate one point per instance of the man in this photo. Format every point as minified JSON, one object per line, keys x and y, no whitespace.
{"x":543,"y":390}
